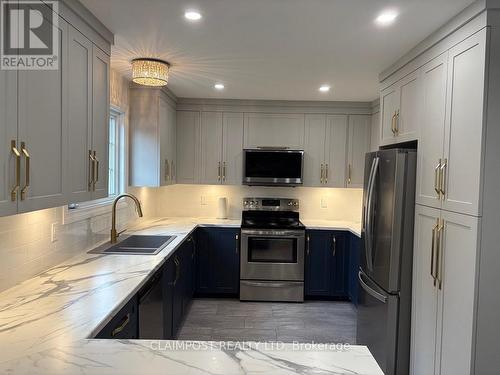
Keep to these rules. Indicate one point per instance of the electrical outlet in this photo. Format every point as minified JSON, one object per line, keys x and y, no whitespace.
{"x":324,"y":202}
{"x":203,"y":200}
{"x":53,"y":232}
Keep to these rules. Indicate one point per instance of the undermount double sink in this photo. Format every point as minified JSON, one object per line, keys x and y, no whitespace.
{"x":138,"y":245}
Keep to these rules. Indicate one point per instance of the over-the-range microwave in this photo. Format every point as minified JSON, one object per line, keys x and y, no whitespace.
{"x":273,"y":167}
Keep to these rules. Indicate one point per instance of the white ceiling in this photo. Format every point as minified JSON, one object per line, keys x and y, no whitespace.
{"x":270,"y":49}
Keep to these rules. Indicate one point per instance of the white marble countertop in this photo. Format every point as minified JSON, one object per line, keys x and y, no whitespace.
{"x":52,"y":315}
{"x":353,"y":227}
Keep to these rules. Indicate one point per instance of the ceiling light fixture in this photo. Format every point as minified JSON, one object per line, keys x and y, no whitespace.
{"x":219,"y":86}
{"x":192,"y":15}
{"x":324,"y":88}
{"x":386,"y":18}
{"x":150,"y":72}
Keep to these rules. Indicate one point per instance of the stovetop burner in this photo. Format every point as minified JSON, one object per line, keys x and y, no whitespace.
{"x":265,"y":213}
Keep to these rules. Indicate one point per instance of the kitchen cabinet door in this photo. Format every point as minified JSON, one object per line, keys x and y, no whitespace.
{"x":178,"y":293}
{"x":274,"y":130}
{"x":232,"y":152}
{"x":336,"y":151}
{"x":319,"y":264}
{"x":8,"y":133}
{"x":203,"y":264}
{"x":431,"y":142}
{"x":188,"y":254}
{"x":359,"y":145}
{"x":464,"y":135}
{"x":409,"y":115}
{"x":340,"y":262}
{"x":389,"y":105}
{"x":188,"y":145}
{"x":124,"y":325}
{"x":459,"y":240}
{"x":172,"y":144}
{"x":424,"y":293}
{"x":354,"y":254}
{"x":225,"y":260}
{"x":100,"y":121}
{"x":168,"y":298}
{"x":167,"y":141}
{"x":314,"y":150}
{"x":79,"y":116}
{"x":42,"y":128}
{"x":211,"y":148}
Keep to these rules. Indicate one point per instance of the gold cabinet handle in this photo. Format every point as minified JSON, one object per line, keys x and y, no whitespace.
{"x":27,"y":157}
{"x":393,"y":126}
{"x":219,"y":173}
{"x":91,"y":170}
{"x":322,"y":176}
{"x":96,"y":176}
{"x":433,"y":252}
{"x":237,"y":238}
{"x":349,"y":175}
{"x":122,"y":326}
{"x":308,"y":239}
{"x":439,"y":261}
{"x":334,"y":252}
{"x":17,"y":155}
{"x":442,"y":177}
{"x":396,"y":126}
{"x":172,"y":170}
{"x":224,"y":172}
{"x":436,"y":178}
{"x":326,"y":173}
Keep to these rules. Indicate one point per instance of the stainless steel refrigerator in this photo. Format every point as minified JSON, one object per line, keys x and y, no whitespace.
{"x":384,"y":305}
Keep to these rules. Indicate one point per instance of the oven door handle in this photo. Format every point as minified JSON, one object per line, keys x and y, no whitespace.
{"x":273,"y":233}
{"x":266,"y":284}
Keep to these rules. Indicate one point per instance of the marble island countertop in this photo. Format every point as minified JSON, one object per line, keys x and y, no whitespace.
{"x":46,"y":322}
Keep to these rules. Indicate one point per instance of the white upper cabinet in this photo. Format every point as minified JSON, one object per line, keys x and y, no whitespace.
{"x":152,"y":138}
{"x":211,"y":148}
{"x":444,"y":272}
{"x":358,"y":146}
{"x":188,"y":146}
{"x":8,"y":150}
{"x":431,"y":143}
{"x":314,"y":150}
{"x":232,"y":148}
{"x":42,"y":132}
{"x":79,"y":117}
{"x":462,"y":164}
{"x":325,"y":150}
{"x":336,"y":150}
{"x":400,"y":110}
{"x":274,"y":130}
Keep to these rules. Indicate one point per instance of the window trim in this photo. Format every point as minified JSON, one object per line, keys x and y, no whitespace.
{"x":86,"y":210}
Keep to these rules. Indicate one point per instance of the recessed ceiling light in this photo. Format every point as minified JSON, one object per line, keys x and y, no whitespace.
{"x":219,"y":86}
{"x":386,"y":18}
{"x":192,"y":15}
{"x":324,"y":88}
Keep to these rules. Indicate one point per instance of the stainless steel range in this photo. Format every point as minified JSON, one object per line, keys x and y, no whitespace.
{"x":272,"y":251}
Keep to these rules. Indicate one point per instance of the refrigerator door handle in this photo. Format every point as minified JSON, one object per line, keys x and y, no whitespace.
{"x":369,"y":218}
{"x":379,"y":296}
{"x":365,"y":213}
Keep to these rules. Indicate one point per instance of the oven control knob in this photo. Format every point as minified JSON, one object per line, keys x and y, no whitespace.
{"x":296,"y":204}
{"x":290,"y":203}
{"x":245,"y":203}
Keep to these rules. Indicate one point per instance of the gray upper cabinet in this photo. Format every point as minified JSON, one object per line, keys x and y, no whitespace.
{"x":358,"y":146}
{"x":9,"y":146}
{"x":274,"y":130}
{"x":325,"y":150}
{"x":152,"y":138}
{"x":100,"y":121}
{"x":188,"y":141}
{"x":211,"y":148}
{"x":232,"y":148}
{"x":80,"y":117}
{"x":42,"y":132}
{"x":219,"y":157}
{"x":54,"y":128}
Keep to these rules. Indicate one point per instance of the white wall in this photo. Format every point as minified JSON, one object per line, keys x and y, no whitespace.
{"x":186,"y":200}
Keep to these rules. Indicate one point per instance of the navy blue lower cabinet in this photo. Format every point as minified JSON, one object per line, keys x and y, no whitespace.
{"x":354,"y":254}
{"x":217,"y":261}
{"x":168,"y":297}
{"x":326,"y":264}
{"x":124,"y":325}
{"x":178,"y":292}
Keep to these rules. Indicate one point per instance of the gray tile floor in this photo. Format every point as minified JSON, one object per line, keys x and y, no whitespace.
{"x":232,"y":320}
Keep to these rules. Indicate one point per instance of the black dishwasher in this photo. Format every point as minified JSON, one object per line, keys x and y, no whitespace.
{"x":151,"y":319}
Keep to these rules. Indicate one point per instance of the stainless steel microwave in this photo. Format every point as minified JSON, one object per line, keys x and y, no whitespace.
{"x":273,"y":167}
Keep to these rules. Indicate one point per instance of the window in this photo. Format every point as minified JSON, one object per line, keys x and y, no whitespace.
{"x":116,"y":169}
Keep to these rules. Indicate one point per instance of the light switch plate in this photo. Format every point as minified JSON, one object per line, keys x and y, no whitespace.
{"x":324,"y":202}
{"x":53,"y":232}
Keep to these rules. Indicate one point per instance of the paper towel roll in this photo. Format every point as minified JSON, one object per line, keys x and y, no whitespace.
{"x":222,"y":208}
